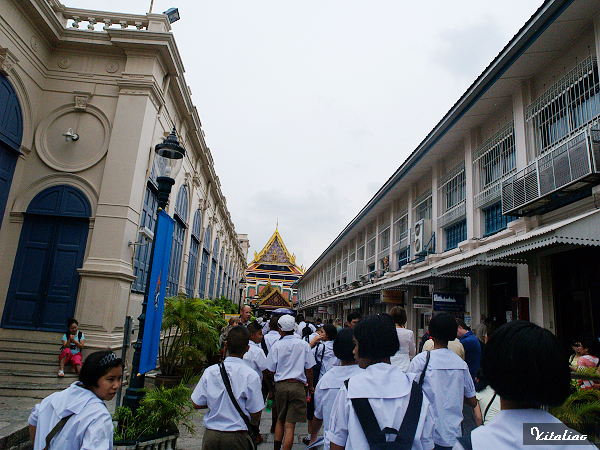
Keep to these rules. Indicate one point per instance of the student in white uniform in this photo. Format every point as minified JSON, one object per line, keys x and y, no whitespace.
{"x":255,"y":356}
{"x":386,"y":388}
{"x":330,"y":383}
{"x":526,"y":366}
{"x":225,"y":428}
{"x":291,"y":361}
{"x":447,"y":381}
{"x":406,"y":338}
{"x":273,"y":335}
{"x":322,"y":348}
{"x":87,"y":423}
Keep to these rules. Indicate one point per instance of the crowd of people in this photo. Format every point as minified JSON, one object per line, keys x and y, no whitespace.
{"x":363,"y":385}
{"x":358,"y":386}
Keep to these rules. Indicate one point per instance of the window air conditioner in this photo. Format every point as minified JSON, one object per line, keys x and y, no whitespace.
{"x":421,"y":236}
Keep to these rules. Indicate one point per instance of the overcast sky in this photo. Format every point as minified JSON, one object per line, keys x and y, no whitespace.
{"x":310,"y":106}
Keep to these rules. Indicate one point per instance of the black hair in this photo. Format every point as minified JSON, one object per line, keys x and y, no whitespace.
{"x":526,"y":364}
{"x":306,"y":331}
{"x":330,"y":331}
{"x":237,"y":340}
{"x":273,"y":323}
{"x":398,"y":315}
{"x":300,"y":318}
{"x":482,"y":382}
{"x":343,"y":345}
{"x":443,"y":326}
{"x":254,"y":327}
{"x":70,"y":322}
{"x":591,"y":344}
{"x":376,"y":336}
{"x":461,"y":323}
{"x":96,"y":365}
{"x":352,"y":316}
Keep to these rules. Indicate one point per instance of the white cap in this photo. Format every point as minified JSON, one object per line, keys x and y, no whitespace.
{"x":287,"y":323}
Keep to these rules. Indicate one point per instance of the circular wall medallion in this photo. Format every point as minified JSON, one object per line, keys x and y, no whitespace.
{"x":34,"y":43}
{"x":93,"y":129}
{"x":64,"y":62}
{"x":112,"y":66}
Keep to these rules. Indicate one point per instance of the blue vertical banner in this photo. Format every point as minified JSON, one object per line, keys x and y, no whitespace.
{"x":156,"y":294}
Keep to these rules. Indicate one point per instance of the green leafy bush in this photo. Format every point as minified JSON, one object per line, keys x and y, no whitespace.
{"x":161,"y":411}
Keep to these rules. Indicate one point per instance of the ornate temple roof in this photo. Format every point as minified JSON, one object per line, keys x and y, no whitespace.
{"x":275,"y":257}
{"x":272,"y":298}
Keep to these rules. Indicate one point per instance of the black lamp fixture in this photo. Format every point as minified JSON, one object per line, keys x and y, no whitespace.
{"x":172,"y":14}
{"x":169,"y":159}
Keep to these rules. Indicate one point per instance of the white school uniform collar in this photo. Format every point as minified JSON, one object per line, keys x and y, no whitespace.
{"x":331,"y":380}
{"x":380,"y":380}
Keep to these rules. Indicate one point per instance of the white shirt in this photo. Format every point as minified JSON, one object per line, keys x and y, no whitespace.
{"x":505,"y":432}
{"x":256,"y":359}
{"x":301,"y":326}
{"x":326,"y":392}
{"x":266,"y":328}
{"x":211,"y":391}
{"x":484,"y":397}
{"x":289,"y":357}
{"x":388,"y":391}
{"x":447,"y":381}
{"x":325,"y":350}
{"x":91,"y":427}
{"x":270,"y":338}
{"x":407,"y":350}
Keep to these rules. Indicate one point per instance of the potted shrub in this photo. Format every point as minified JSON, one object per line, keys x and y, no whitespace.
{"x":581,"y":410}
{"x":190,"y":330}
{"x":157,"y":420}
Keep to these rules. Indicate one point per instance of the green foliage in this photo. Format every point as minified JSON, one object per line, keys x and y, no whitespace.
{"x":581,"y":409}
{"x":190,"y":329}
{"x":161,"y":410}
{"x":226,"y":305}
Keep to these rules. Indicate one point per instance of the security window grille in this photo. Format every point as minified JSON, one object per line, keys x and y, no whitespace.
{"x":203,"y":274}
{"x":402,"y":257}
{"x":456,"y":233}
{"x":192,"y":265}
{"x":495,"y":220}
{"x":371,"y":241}
{"x":494,"y":160}
{"x":344,"y":265}
{"x":384,"y":239}
{"x":452,"y":192}
{"x":352,"y":257}
{"x":360,"y":253}
{"x":568,"y":106}
{"x":176,"y":257}
{"x":400,"y":226}
{"x":422,"y":206}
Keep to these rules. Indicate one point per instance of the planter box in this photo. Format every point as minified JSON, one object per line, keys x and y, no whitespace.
{"x":163,"y":442}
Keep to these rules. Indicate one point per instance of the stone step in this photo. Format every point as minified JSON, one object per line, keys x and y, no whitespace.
{"x":35,"y":343}
{"x":29,"y":390}
{"x":24,"y":377}
{"x":29,"y":354}
{"x":10,"y":365}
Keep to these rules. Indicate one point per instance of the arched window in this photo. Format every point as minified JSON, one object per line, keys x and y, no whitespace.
{"x":181,"y":216}
{"x":213,"y":269}
{"x":11,"y":133}
{"x":190,"y":278}
{"x":204,"y":264}
{"x":143,"y":252}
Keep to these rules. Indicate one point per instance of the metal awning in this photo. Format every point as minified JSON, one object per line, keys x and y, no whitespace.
{"x":581,"y":230}
{"x":469,"y":266}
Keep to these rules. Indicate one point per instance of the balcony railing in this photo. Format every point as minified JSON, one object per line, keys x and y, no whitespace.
{"x":458,"y":211}
{"x":567,"y":167}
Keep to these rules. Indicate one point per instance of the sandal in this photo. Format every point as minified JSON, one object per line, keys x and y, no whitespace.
{"x":61,"y":373}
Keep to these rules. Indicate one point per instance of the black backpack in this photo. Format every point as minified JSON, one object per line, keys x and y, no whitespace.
{"x":406,"y":434}
{"x":317,"y":367}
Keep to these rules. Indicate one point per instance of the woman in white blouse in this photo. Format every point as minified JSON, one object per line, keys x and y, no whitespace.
{"x":406,"y":339}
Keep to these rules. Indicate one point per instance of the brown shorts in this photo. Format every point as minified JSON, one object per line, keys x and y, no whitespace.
{"x":226,"y":440}
{"x":291,"y":401}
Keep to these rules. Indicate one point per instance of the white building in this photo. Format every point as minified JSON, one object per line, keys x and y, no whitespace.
{"x":70,"y":207}
{"x":496,"y":211}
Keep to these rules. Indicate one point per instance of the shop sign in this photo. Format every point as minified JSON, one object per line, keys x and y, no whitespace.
{"x":448,"y":302}
{"x":392,"y":296}
{"x":322,"y":310}
{"x":422,"y":302}
{"x":330,"y":310}
{"x":347,"y":305}
{"x":355,"y":303}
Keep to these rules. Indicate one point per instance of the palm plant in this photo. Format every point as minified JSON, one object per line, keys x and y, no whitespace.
{"x":190,"y":329}
{"x":581,"y":409}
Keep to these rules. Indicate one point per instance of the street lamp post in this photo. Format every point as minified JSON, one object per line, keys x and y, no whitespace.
{"x":169,"y":159}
